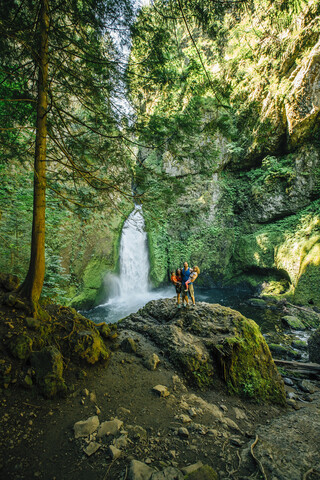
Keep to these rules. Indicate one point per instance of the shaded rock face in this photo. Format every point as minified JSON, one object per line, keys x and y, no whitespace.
{"x":209,"y":343}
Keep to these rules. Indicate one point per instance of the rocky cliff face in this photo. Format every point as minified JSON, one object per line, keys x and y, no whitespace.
{"x":251,"y":209}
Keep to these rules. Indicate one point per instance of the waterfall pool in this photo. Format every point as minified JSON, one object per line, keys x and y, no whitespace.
{"x":130,"y":290}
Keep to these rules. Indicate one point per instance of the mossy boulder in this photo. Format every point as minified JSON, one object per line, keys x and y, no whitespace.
{"x":21,"y":346}
{"x":90,"y":347}
{"x":293,"y":322}
{"x":48,"y":366}
{"x":209,"y":343}
{"x":284,"y":351}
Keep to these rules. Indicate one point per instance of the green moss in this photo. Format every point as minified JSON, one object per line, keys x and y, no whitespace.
{"x":248,"y":367}
{"x":197,"y":370}
{"x":21,"y":346}
{"x":90,"y":347}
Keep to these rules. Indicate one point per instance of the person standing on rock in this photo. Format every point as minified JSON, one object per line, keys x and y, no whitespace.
{"x":185,"y":274}
{"x":193,"y":277}
{"x":176,"y":280}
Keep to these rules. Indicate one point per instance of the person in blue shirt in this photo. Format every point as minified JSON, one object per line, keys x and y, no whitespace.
{"x":185,"y":274}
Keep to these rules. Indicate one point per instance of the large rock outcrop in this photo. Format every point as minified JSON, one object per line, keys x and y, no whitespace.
{"x":210,"y":343}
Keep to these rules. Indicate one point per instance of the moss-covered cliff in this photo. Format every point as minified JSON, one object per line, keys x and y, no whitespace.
{"x":232,"y":106}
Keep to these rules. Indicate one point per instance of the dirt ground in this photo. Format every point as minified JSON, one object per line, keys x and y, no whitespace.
{"x":37,"y":437}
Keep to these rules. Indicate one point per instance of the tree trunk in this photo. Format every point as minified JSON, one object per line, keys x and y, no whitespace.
{"x":33,"y":283}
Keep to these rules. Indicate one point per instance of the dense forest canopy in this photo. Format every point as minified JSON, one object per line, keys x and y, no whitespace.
{"x":221,"y":142}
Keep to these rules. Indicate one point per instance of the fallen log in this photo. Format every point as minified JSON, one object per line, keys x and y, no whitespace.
{"x":300,"y":367}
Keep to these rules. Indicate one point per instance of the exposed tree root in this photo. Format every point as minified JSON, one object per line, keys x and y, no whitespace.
{"x":256,"y":459}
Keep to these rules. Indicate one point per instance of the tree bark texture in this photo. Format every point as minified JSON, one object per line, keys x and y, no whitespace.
{"x":33,"y":283}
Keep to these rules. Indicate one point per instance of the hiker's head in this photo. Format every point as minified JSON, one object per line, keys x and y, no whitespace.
{"x":196,"y":269}
{"x":185,"y":265}
{"x":178,"y":272}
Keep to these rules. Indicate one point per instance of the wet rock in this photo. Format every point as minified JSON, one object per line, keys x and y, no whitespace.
{"x":110,"y":427}
{"x":299,"y":344}
{"x":236,"y":441}
{"x":293,"y":322}
{"x":257,"y":302}
{"x":223,"y":408}
{"x":83,"y":428}
{"x":139,"y":471}
{"x":169,"y":473}
{"x":129,"y":345}
{"x":240,"y":414}
{"x":114,"y":452}
{"x":288,"y":382}
{"x":48,"y":365}
{"x":161,"y":390}
{"x":92,"y":448}
{"x":151,"y":361}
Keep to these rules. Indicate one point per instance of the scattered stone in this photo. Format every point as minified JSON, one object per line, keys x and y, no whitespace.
{"x":98,"y":411}
{"x":203,"y":473}
{"x":169,"y":473}
{"x":161,"y":390}
{"x":300,"y":344}
{"x":240,"y":414}
{"x":92,"y":448}
{"x":183,"y":418}
{"x":231,"y":424}
{"x":138,"y":433}
{"x":27,"y":381}
{"x":151,"y":362}
{"x":114,"y":452}
{"x":128,"y":345}
{"x":85,"y":392}
{"x":291,"y":395}
{"x":123,"y":411}
{"x":148,"y":461}
{"x":86,"y":427}
{"x":224,"y":408}
{"x":288,"y":382}
{"x":307,"y":386}
{"x":183,"y":432}
{"x":121,"y":442}
{"x":110,"y":427}
{"x":236,"y":441}
{"x":139,"y":471}
{"x":178,"y":384}
{"x":192,"y":468}
{"x":192,"y":412}
{"x":93,"y":397}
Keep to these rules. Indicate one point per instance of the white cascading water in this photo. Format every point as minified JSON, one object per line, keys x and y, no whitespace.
{"x":130,"y":290}
{"x":134,"y":257}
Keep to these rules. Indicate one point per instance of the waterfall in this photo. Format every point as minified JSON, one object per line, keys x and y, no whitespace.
{"x":134,"y":256}
{"x":130,"y":290}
